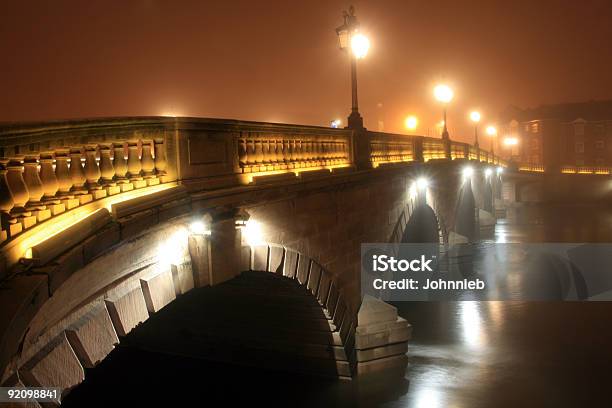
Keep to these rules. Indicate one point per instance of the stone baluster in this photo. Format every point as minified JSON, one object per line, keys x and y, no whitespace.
{"x":251,"y":152}
{"x":299,"y":152}
{"x":19,"y":190}
{"x":76,"y":172}
{"x":6,"y":197}
{"x":266,"y":151}
{"x":307,"y":151}
{"x":259,"y":151}
{"x":316,"y":149}
{"x":325,"y":152}
{"x":107,"y":170}
{"x":146,"y":161}
{"x":242,"y":152}
{"x":291,"y":151}
{"x":133,"y":162}
{"x":160,"y":157}
{"x":48,"y":178}
{"x":120,"y":163}
{"x":277,"y":152}
{"x":286,"y":144}
{"x":62,"y":173}
{"x":91,"y":170}
{"x":9,"y":225}
{"x":337,"y":149}
{"x":33,"y":182}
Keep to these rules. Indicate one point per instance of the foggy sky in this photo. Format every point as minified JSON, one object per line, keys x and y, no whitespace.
{"x":279,"y":61}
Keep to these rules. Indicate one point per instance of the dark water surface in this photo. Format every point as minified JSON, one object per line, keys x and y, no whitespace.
{"x":463,"y":354}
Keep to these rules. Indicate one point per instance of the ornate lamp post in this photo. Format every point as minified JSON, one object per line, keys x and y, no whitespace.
{"x":444,"y":94}
{"x":349,"y":36}
{"x":475,"y":117}
{"x":492,"y":132}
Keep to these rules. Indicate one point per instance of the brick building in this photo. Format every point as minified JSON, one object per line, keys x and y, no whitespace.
{"x":553,"y":136}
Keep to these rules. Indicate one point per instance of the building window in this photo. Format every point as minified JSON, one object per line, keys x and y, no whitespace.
{"x":599,"y":144}
{"x":535,"y":127}
{"x":535,"y":144}
{"x":579,"y":148}
{"x":579,"y":129}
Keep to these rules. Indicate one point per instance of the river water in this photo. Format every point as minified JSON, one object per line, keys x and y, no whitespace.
{"x":462,"y":354}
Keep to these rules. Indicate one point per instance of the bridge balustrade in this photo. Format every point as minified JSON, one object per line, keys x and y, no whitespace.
{"x":42,"y":180}
{"x":261,"y":152}
{"x":48,"y":169}
{"x":390,"y":148}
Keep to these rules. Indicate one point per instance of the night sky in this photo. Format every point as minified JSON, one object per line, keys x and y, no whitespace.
{"x":279,"y":61}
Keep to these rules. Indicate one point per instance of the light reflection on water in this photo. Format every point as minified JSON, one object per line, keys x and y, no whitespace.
{"x":473,"y":354}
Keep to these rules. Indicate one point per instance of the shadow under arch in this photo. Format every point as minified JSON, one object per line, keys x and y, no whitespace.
{"x":259,"y":323}
{"x":422,"y":227}
{"x":465,"y":212}
{"x":78,"y":324}
{"x":488,"y":195}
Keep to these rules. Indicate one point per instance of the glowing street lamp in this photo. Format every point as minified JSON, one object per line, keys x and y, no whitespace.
{"x":336,"y":123}
{"x":511,"y":141}
{"x":475,"y":117}
{"x":411,"y":122}
{"x":350,"y":37}
{"x":492,"y":132}
{"x":444,"y":94}
{"x":360,"y":45}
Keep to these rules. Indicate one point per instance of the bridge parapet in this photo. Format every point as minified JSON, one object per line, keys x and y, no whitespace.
{"x":125,"y":157}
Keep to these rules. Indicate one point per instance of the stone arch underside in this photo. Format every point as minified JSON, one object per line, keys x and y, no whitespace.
{"x":86,"y":316}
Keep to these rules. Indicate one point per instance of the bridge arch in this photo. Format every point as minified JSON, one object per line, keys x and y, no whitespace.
{"x":102,"y":301}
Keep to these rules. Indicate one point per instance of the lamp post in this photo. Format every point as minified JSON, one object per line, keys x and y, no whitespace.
{"x":349,"y":37}
{"x":475,"y":117}
{"x":444,"y":94}
{"x":492,"y":132}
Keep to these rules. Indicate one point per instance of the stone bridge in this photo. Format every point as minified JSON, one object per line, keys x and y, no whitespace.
{"x":157,"y":207}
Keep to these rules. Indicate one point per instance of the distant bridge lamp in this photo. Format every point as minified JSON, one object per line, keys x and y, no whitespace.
{"x":444,"y":94}
{"x":511,"y":143}
{"x":492,"y":132}
{"x":475,"y":118}
{"x":350,"y":39}
{"x":411,"y":123}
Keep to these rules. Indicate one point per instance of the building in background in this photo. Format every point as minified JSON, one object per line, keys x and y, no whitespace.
{"x":553,"y":136}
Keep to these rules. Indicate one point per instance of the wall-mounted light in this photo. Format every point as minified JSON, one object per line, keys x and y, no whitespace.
{"x":199,"y":227}
{"x":252,"y":233}
{"x":422,"y":183}
{"x":468,"y":172}
{"x":173,"y":250}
